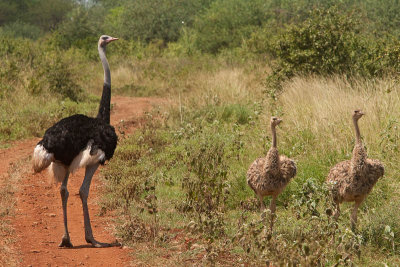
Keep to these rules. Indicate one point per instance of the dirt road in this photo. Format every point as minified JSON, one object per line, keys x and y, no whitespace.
{"x":38,"y":216}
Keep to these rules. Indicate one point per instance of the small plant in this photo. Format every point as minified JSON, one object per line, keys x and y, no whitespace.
{"x":318,"y":241}
{"x":206,"y":188}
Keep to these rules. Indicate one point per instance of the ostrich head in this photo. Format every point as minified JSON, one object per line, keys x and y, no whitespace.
{"x":105,"y":40}
{"x":357,"y":114}
{"x":275,"y":121}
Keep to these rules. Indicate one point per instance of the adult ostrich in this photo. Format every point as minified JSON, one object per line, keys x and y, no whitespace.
{"x":352,"y":180}
{"x":79,"y":141}
{"x":269,"y":176}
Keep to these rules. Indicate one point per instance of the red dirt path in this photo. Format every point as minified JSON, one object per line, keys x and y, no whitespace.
{"x":38,"y":217}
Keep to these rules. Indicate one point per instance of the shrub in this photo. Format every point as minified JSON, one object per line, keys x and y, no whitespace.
{"x":315,"y":240}
{"x":226,"y":23}
{"x":61,"y":77}
{"x":20,"y":29}
{"x":330,"y":42}
{"x":154,"y":19}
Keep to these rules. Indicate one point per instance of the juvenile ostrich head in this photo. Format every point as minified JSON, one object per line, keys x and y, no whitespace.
{"x":357,"y":114}
{"x":105,"y":40}
{"x":275,"y":121}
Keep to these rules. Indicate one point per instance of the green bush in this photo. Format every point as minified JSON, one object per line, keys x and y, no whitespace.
{"x":227,"y":22}
{"x":61,"y":78}
{"x":19,"y":29}
{"x":154,"y":19}
{"x":328,"y":42}
{"x":331,"y":42}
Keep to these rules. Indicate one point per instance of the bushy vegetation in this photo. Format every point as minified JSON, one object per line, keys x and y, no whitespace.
{"x":227,"y":65}
{"x":196,"y":157}
{"x":38,"y":86}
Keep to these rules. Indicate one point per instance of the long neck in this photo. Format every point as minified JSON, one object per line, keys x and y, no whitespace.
{"x":359,"y":156}
{"x":357,"y":129}
{"x":273,"y":130}
{"x":104,"y":109}
{"x":272,"y":163}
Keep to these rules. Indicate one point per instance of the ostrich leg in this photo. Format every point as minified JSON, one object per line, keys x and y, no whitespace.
{"x":337,"y":210}
{"x":84,"y":193}
{"x":262,"y":205}
{"x":272,"y":207}
{"x":353,"y":218}
{"x":65,"y":242}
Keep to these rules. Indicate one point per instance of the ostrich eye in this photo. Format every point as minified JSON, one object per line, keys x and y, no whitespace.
{"x":105,"y":38}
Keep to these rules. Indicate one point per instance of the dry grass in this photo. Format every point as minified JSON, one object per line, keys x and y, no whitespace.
{"x":8,"y":255}
{"x":317,"y":132}
{"x":322,"y":103}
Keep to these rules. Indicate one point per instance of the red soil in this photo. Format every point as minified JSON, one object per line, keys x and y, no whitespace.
{"x":38,"y":220}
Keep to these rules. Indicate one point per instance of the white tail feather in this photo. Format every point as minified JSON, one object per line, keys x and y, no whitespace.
{"x":41,"y":158}
{"x":58,"y":171}
{"x":85,"y":159}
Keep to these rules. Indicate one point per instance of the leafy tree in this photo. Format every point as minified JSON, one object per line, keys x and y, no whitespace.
{"x":153,"y":19}
{"x":47,"y":14}
{"x":327,"y":42}
{"x":81,"y":29}
{"x":23,"y":15}
{"x":227,"y":22}
{"x":8,"y":11}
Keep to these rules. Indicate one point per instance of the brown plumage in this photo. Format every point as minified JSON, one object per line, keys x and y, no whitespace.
{"x":269,"y":176}
{"x":353,"y":180}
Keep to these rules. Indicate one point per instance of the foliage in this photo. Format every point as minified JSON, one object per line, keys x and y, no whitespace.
{"x":153,"y":20}
{"x":19,"y":29}
{"x":185,"y":169}
{"x":227,"y":22}
{"x":45,"y":14}
{"x":206,"y":188}
{"x":208,"y":132}
{"x":321,"y":242}
{"x":37,"y":87}
{"x":137,"y":195}
{"x":330,"y":42}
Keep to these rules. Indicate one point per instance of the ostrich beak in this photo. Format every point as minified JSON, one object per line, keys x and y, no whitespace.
{"x":109,"y":40}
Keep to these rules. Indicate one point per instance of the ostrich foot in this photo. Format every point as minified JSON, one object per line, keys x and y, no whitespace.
{"x":65,"y":242}
{"x":97,"y":244}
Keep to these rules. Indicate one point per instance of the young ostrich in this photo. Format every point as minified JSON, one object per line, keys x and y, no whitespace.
{"x":79,"y":141}
{"x":269,"y":176}
{"x":352,"y":180}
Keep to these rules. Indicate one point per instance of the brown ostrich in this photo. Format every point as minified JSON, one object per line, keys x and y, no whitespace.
{"x":269,"y":176}
{"x":352,"y":180}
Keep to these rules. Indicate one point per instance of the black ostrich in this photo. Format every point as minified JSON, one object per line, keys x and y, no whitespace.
{"x":79,"y":141}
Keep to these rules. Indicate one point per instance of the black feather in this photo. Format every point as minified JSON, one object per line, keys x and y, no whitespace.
{"x":104,"y":108}
{"x":68,"y":137}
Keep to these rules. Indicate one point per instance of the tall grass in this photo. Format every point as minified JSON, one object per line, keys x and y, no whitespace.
{"x":229,"y":104}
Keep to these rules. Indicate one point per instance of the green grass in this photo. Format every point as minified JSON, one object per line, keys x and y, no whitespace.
{"x":199,"y":148}
{"x":317,"y":133}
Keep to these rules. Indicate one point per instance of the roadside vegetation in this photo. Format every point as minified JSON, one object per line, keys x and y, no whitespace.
{"x":178,"y":183}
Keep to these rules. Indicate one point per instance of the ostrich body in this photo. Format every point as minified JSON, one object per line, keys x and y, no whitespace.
{"x":352,"y":180}
{"x":269,"y":176}
{"x":79,"y":141}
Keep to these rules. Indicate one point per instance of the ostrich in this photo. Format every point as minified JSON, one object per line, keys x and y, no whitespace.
{"x":79,"y":141}
{"x":269,"y":176}
{"x":352,"y":180}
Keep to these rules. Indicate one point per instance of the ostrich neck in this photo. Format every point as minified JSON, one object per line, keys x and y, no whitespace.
{"x":272,"y":159}
{"x":357,"y":129}
{"x":104,"y":109}
{"x":359,"y":154}
{"x":273,"y":136}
